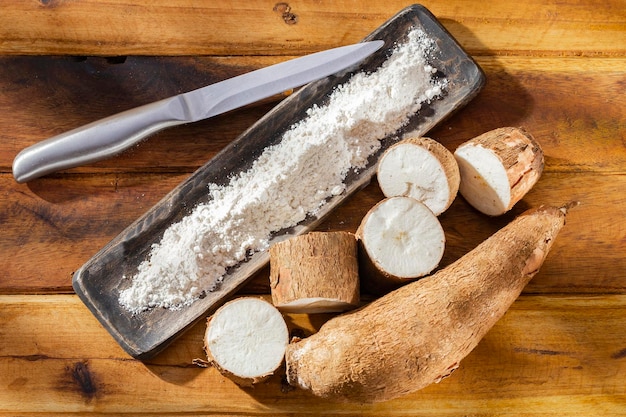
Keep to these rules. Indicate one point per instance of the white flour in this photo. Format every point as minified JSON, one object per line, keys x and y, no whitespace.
{"x":287,"y":182}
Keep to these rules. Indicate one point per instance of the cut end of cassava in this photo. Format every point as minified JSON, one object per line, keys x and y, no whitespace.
{"x":498,"y":168}
{"x":401,"y":239}
{"x":420,"y":168}
{"x":315,"y":273}
{"x":246,"y":340}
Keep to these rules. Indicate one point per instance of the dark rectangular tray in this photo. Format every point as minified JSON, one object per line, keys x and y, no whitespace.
{"x":98,"y":283}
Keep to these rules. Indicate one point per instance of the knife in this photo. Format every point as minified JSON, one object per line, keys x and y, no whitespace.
{"x":110,"y":136}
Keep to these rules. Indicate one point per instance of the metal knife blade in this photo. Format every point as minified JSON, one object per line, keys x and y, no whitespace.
{"x":110,"y":136}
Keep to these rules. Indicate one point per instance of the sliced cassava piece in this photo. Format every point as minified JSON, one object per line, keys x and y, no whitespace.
{"x":418,"y":334}
{"x":498,"y":168}
{"x":246,"y":339}
{"x":315,"y":273}
{"x":400,"y":239}
{"x":421,"y":168}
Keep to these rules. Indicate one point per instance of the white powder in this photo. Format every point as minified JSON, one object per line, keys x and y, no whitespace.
{"x":288,"y":181}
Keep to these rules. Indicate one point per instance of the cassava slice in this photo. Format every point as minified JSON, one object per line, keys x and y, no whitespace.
{"x":421,"y":168}
{"x":418,"y":334}
{"x":498,"y":168}
{"x":400,"y":239}
{"x":246,"y":339}
{"x":315,"y":273}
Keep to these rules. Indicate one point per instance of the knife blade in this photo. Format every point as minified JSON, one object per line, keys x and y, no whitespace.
{"x":114,"y":134}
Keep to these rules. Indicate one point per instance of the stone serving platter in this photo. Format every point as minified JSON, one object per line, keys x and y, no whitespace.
{"x":99,"y":281}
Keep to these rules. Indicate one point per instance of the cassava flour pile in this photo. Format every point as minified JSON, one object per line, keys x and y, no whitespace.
{"x":288,"y":181}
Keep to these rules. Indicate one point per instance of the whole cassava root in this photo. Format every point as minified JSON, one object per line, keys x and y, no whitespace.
{"x":498,"y":168}
{"x":418,"y":334}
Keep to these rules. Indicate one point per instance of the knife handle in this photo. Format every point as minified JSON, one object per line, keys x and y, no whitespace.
{"x":98,"y":140}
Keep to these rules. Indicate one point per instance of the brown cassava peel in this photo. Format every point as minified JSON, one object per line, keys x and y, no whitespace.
{"x":498,"y":168}
{"x":418,"y":334}
{"x":315,"y":273}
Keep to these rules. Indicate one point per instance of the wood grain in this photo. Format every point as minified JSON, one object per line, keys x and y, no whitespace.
{"x":135,"y":27}
{"x":544,"y":350}
{"x":555,"y":67}
{"x":72,"y":218}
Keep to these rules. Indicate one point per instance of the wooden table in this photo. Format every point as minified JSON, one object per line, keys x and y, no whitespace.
{"x":556,"y":68}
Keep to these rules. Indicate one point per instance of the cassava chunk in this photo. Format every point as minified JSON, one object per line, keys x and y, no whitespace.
{"x":400,"y":239}
{"x":315,"y":273}
{"x":246,"y":339}
{"x":418,"y":334}
{"x":421,"y":168}
{"x":498,"y":168}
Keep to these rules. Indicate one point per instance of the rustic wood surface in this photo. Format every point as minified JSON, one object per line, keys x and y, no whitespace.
{"x":556,"y":68}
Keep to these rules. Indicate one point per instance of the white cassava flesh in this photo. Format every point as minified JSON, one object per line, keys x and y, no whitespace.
{"x":315,"y":273}
{"x":401,"y":239}
{"x":421,"y":168}
{"x":418,"y":334}
{"x":498,"y":168}
{"x":246,"y":340}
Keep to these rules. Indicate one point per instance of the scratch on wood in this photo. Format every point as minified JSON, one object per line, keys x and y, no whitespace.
{"x":44,"y":215}
{"x":18,"y":383}
{"x":50,"y":3}
{"x":546,"y":352}
{"x":33,"y":358}
{"x":29,"y":358}
{"x":619,"y":354}
{"x":284,"y":9}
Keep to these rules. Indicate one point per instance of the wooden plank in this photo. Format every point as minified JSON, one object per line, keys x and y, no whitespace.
{"x":555,"y":67}
{"x":71,"y":218}
{"x":534,"y":92}
{"x":546,"y":356}
{"x":570,"y":105}
{"x":123,"y":27}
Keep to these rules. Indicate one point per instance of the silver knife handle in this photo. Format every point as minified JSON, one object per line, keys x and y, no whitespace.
{"x":98,"y":140}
